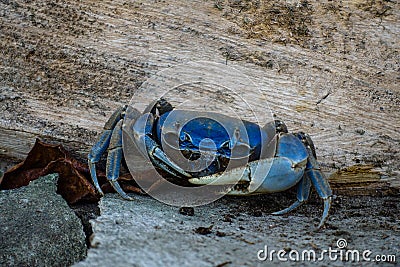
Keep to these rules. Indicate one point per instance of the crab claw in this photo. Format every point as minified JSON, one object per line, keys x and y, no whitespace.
{"x":165,"y":163}
{"x":262,"y":176}
{"x":275,"y":175}
{"x":142,"y":132}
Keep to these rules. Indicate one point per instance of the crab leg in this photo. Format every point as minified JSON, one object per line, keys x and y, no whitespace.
{"x":314,"y":175}
{"x":303,"y":192}
{"x":320,"y":183}
{"x":114,"y":158}
{"x":102,"y":144}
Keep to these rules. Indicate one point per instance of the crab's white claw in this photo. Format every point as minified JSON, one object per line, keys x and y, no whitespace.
{"x":262,"y":176}
{"x":240,"y":174}
{"x":250,"y":175}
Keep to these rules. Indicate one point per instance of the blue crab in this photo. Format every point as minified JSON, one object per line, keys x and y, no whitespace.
{"x":215,"y":149}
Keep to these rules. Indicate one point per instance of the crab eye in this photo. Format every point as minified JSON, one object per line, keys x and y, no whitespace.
{"x":226,"y":144}
{"x":186,"y":138}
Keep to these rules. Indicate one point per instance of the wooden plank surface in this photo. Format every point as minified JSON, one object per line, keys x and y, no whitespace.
{"x":67,"y":65}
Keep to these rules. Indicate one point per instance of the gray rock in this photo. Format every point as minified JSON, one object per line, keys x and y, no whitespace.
{"x":37,"y":228}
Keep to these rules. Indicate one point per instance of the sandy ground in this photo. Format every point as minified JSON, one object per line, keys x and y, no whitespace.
{"x":146,"y":232}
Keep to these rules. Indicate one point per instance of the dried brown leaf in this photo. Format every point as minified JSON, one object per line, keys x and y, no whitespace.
{"x":44,"y":159}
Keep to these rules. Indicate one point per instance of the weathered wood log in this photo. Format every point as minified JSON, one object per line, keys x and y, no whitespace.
{"x":328,"y":69}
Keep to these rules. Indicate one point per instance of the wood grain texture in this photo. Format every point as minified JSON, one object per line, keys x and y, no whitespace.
{"x":67,"y":65}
